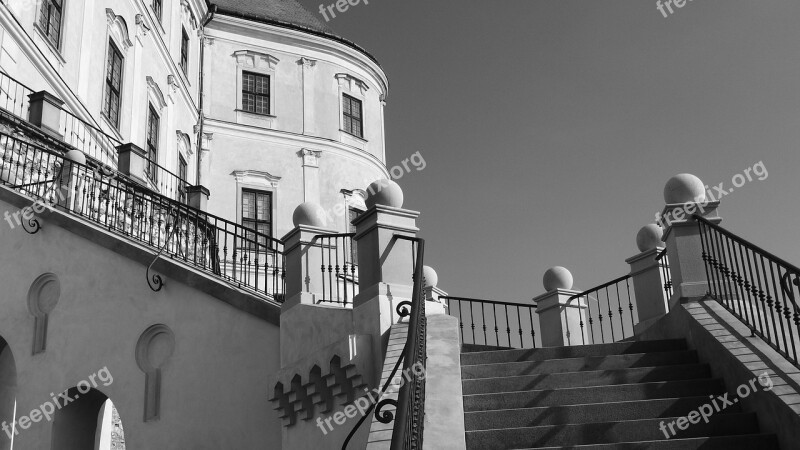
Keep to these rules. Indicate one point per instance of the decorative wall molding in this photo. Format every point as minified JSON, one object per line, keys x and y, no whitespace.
{"x":118,"y":28}
{"x":310,"y":157}
{"x":255,"y":177}
{"x":155,"y":94}
{"x":250,"y":58}
{"x":43,"y":297}
{"x":153,"y":350}
{"x":351,"y":83}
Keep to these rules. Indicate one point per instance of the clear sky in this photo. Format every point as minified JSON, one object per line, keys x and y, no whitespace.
{"x":549,"y":127}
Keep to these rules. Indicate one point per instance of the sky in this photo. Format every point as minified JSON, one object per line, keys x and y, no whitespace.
{"x":550,"y":127}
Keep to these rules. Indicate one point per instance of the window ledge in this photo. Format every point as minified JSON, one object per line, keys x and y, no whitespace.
{"x":353,"y":136}
{"x":270,"y":116}
{"x":110,"y":125}
{"x":53,"y":49}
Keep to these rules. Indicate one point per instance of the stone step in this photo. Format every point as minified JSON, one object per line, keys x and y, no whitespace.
{"x":585,"y":378}
{"x":607,"y":432}
{"x":596,"y":394}
{"x":540,"y":354}
{"x":586,"y":413}
{"x":745,"y":442}
{"x":611,"y":362}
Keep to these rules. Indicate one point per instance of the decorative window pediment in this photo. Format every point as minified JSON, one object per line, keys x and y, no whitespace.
{"x":188,"y":15}
{"x":155,"y":94}
{"x":184,"y":143}
{"x":258,"y":60}
{"x":351,"y":83}
{"x":118,"y":29}
{"x":256,"y":178}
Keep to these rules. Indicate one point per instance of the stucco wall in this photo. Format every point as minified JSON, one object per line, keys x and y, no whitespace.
{"x":214,"y":387}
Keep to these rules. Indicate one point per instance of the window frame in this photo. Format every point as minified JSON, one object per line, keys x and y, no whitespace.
{"x":45,"y":28}
{"x":158,"y":9}
{"x":113,"y":51}
{"x":185,"y":42}
{"x":345,"y":115}
{"x":152,"y":142}
{"x":183,"y":172}
{"x":255,"y":94}
{"x":255,"y":221}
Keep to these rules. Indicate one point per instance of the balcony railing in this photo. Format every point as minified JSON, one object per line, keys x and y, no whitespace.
{"x":666,"y":273}
{"x":96,"y":144}
{"x":756,"y":286}
{"x":609,"y":315}
{"x":223,"y":249}
{"x":337,"y":255}
{"x":495,"y":324}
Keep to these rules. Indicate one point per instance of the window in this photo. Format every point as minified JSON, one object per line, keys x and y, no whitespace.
{"x":50,"y":21}
{"x":257,"y":214}
{"x":111,"y":103}
{"x":153,"y":125}
{"x":255,"y":93}
{"x":185,"y":52}
{"x":157,"y":8}
{"x":182,"y":173}
{"x":353,"y":118}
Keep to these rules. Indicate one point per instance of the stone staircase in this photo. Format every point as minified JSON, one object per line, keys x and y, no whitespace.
{"x":607,"y":396}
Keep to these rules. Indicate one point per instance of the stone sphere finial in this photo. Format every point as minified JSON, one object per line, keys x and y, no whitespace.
{"x":649,"y":237}
{"x":311,"y":214}
{"x":384,"y":192}
{"x":429,"y":277}
{"x":76,"y":156}
{"x":684,"y":188}
{"x":557,"y":278}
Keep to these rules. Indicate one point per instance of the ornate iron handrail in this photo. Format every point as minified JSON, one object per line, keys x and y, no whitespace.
{"x":338,"y":265}
{"x":610,"y":331}
{"x":666,"y":273}
{"x":91,"y":140}
{"x":226,"y":250}
{"x":757,"y":287}
{"x":498,"y":314}
{"x":407,"y":432}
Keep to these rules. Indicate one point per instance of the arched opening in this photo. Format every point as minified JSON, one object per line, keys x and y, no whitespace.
{"x":89,"y":421}
{"x":8,"y":394}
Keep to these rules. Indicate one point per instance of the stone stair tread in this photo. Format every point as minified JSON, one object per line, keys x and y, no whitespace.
{"x":584,"y":363}
{"x":587,"y":413}
{"x":592,"y":394}
{"x":741,"y":442}
{"x":585,"y":378}
{"x":607,"y":432}
{"x":544,"y":353}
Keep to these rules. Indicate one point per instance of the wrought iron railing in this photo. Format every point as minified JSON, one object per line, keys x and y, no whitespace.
{"x":606,"y":313}
{"x":756,"y":286}
{"x":95,"y":143}
{"x":338,"y":266}
{"x":666,"y":273}
{"x":408,"y":415}
{"x":221,"y":248}
{"x":14,"y":96}
{"x":493,"y":323}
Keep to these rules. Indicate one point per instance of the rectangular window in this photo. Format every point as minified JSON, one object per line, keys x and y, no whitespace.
{"x":255,"y":93}
{"x":111,"y":102}
{"x":157,"y":8}
{"x":185,"y":53}
{"x":182,"y":173}
{"x":153,"y":126}
{"x":257,"y":215}
{"x":50,"y":21}
{"x":353,"y":117}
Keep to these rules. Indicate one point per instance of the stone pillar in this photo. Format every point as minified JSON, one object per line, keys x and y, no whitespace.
{"x":433,"y":305}
{"x":71,"y":180}
{"x":45,"y":112}
{"x":685,"y":195}
{"x":648,"y":284}
{"x":385,"y":265}
{"x":132,"y":161}
{"x":197,"y":197}
{"x":303,"y":274}
{"x":559,"y":318}
{"x":310,"y":174}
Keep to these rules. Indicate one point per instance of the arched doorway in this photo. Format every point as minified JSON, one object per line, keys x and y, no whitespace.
{"x":8,"y":394}
{"x":90,"y":421}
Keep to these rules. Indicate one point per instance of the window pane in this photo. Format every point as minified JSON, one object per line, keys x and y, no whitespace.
{"x":248,"y":202}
